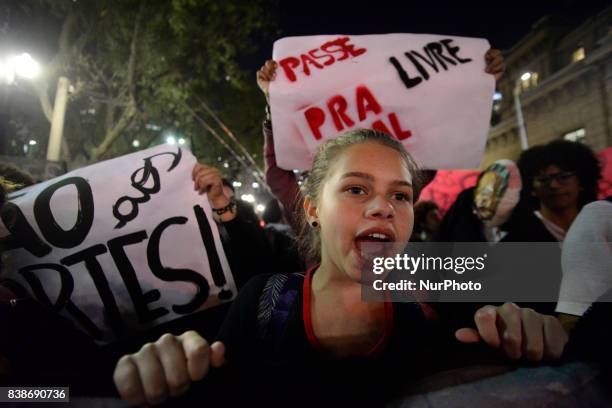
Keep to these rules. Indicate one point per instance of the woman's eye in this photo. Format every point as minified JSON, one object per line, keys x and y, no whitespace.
{"x":402,"y":197}
{"x":355,"y":190}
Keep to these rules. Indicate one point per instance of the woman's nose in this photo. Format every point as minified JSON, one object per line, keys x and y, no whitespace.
{"x":380,"y":207}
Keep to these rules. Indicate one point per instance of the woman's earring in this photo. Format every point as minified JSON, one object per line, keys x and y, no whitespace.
{"x":314,"y":224}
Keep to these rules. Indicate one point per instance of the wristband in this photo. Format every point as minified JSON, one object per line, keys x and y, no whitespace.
{"x":227,"y":208}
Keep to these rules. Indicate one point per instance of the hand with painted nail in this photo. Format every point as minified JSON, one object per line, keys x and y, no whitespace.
{"x":495,"y":63}
{"x":166,"y":368}
{"x":519,"y":332}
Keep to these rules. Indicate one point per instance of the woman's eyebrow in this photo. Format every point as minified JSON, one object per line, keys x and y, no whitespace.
{"x":369,"y":177}
{"x":358,"y":174}
{"x":402,"y":183}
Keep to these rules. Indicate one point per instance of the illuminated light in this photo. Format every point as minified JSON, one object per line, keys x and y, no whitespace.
{"x":7,"y":72}
{"x":237,"y":184}
{"x":181,"y":141}
{"x":32,"y":142}
{"x":262,"y":223}
{"x":226,"y":165}
{"x":255,"y":184}
{"x":171,"y":140}
{"x":249,"y":198}
{"x":526,"y":76}
{"x":136,"y":143}
{"x":497,"y":96}
{"x":25,"y":66}
{"x":260,"y":208}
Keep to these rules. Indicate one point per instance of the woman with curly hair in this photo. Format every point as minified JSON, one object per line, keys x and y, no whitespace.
{"x":559,"y":178}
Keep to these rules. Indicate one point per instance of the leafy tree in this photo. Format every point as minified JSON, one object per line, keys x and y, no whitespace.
{"x":139,"y":66}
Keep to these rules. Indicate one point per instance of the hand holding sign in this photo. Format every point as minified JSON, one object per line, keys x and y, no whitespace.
{"x":166,"y":367}
{"x":520,"y":332}
{"x":495,"y":63}
{"x":266,"y":74}
{"x":207,"y":179}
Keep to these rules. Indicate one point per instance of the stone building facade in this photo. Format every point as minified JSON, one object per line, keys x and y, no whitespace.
{"x":564,"y":79}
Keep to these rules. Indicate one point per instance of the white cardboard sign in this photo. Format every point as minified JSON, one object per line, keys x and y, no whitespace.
{"x":429,"y":91}
{"x":118,"y":246}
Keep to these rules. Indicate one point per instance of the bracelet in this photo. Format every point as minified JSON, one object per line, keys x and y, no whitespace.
{"x":227,"y":208}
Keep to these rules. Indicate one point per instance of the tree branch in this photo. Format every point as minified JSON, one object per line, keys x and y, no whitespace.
{"x":131,"y":110}
{"x":124,"y":122}
{"x":132,"y":61}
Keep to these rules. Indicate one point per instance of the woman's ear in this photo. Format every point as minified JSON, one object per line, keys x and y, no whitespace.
{"x":310,"y":209}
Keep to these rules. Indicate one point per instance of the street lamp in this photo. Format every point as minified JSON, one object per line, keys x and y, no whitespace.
{"x":22,"y":65}
{"x":519,"y":112}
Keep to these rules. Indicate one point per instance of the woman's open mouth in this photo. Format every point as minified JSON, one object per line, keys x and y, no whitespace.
{"x":373,"y":242}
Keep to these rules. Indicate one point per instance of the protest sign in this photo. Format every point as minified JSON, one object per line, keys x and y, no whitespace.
{"x":118,"y":246}
{"x":428,"y":91}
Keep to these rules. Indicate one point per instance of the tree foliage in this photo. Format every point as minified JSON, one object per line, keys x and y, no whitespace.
{"x":138,"y":68}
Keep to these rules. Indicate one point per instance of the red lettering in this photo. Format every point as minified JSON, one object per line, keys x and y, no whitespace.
{"x":397,"y":129}
{"x":337,"y":107}
{"x":329,"y":58}
{"x":315,"y":118}
{"x":397,"y":133}
{"x":287,"y":64}
{"x":330,"y":52}
{"x":341,"y":46}
{"x":380,"y":126}
{"x":366,"y":102}
{"x":307,"y":59}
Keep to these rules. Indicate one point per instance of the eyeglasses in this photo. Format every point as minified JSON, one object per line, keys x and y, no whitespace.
{"x":561,"y":178}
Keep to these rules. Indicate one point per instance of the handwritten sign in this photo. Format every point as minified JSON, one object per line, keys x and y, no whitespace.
{"x":118,"y":246}
{"x":428,"y":91}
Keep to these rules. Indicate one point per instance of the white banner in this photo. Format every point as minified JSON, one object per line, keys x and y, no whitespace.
{"x":118,"y":246}
{"x":429,"y":91}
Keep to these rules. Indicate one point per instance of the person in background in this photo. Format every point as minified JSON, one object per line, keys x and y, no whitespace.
{"x":586,"y":261}
{"x":559,"y":178}
{"x":426,"y":221}
{"x":479,"y":213}
{"x":282,"y":239}
{"x":245,"y":210}
{"x":15,"y":178}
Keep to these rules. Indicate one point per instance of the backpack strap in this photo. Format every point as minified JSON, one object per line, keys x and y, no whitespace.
{"x":275,"y":303}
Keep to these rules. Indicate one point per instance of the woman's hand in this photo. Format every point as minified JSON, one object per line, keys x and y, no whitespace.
{"x":495,"y":63}
{"x":166,"y":368}
{"x":266,"y":74}
{"x":207,"y":179}
{"x":520,"y":332}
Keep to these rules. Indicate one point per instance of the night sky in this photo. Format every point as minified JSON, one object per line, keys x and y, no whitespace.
{"x":503,"y":23}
